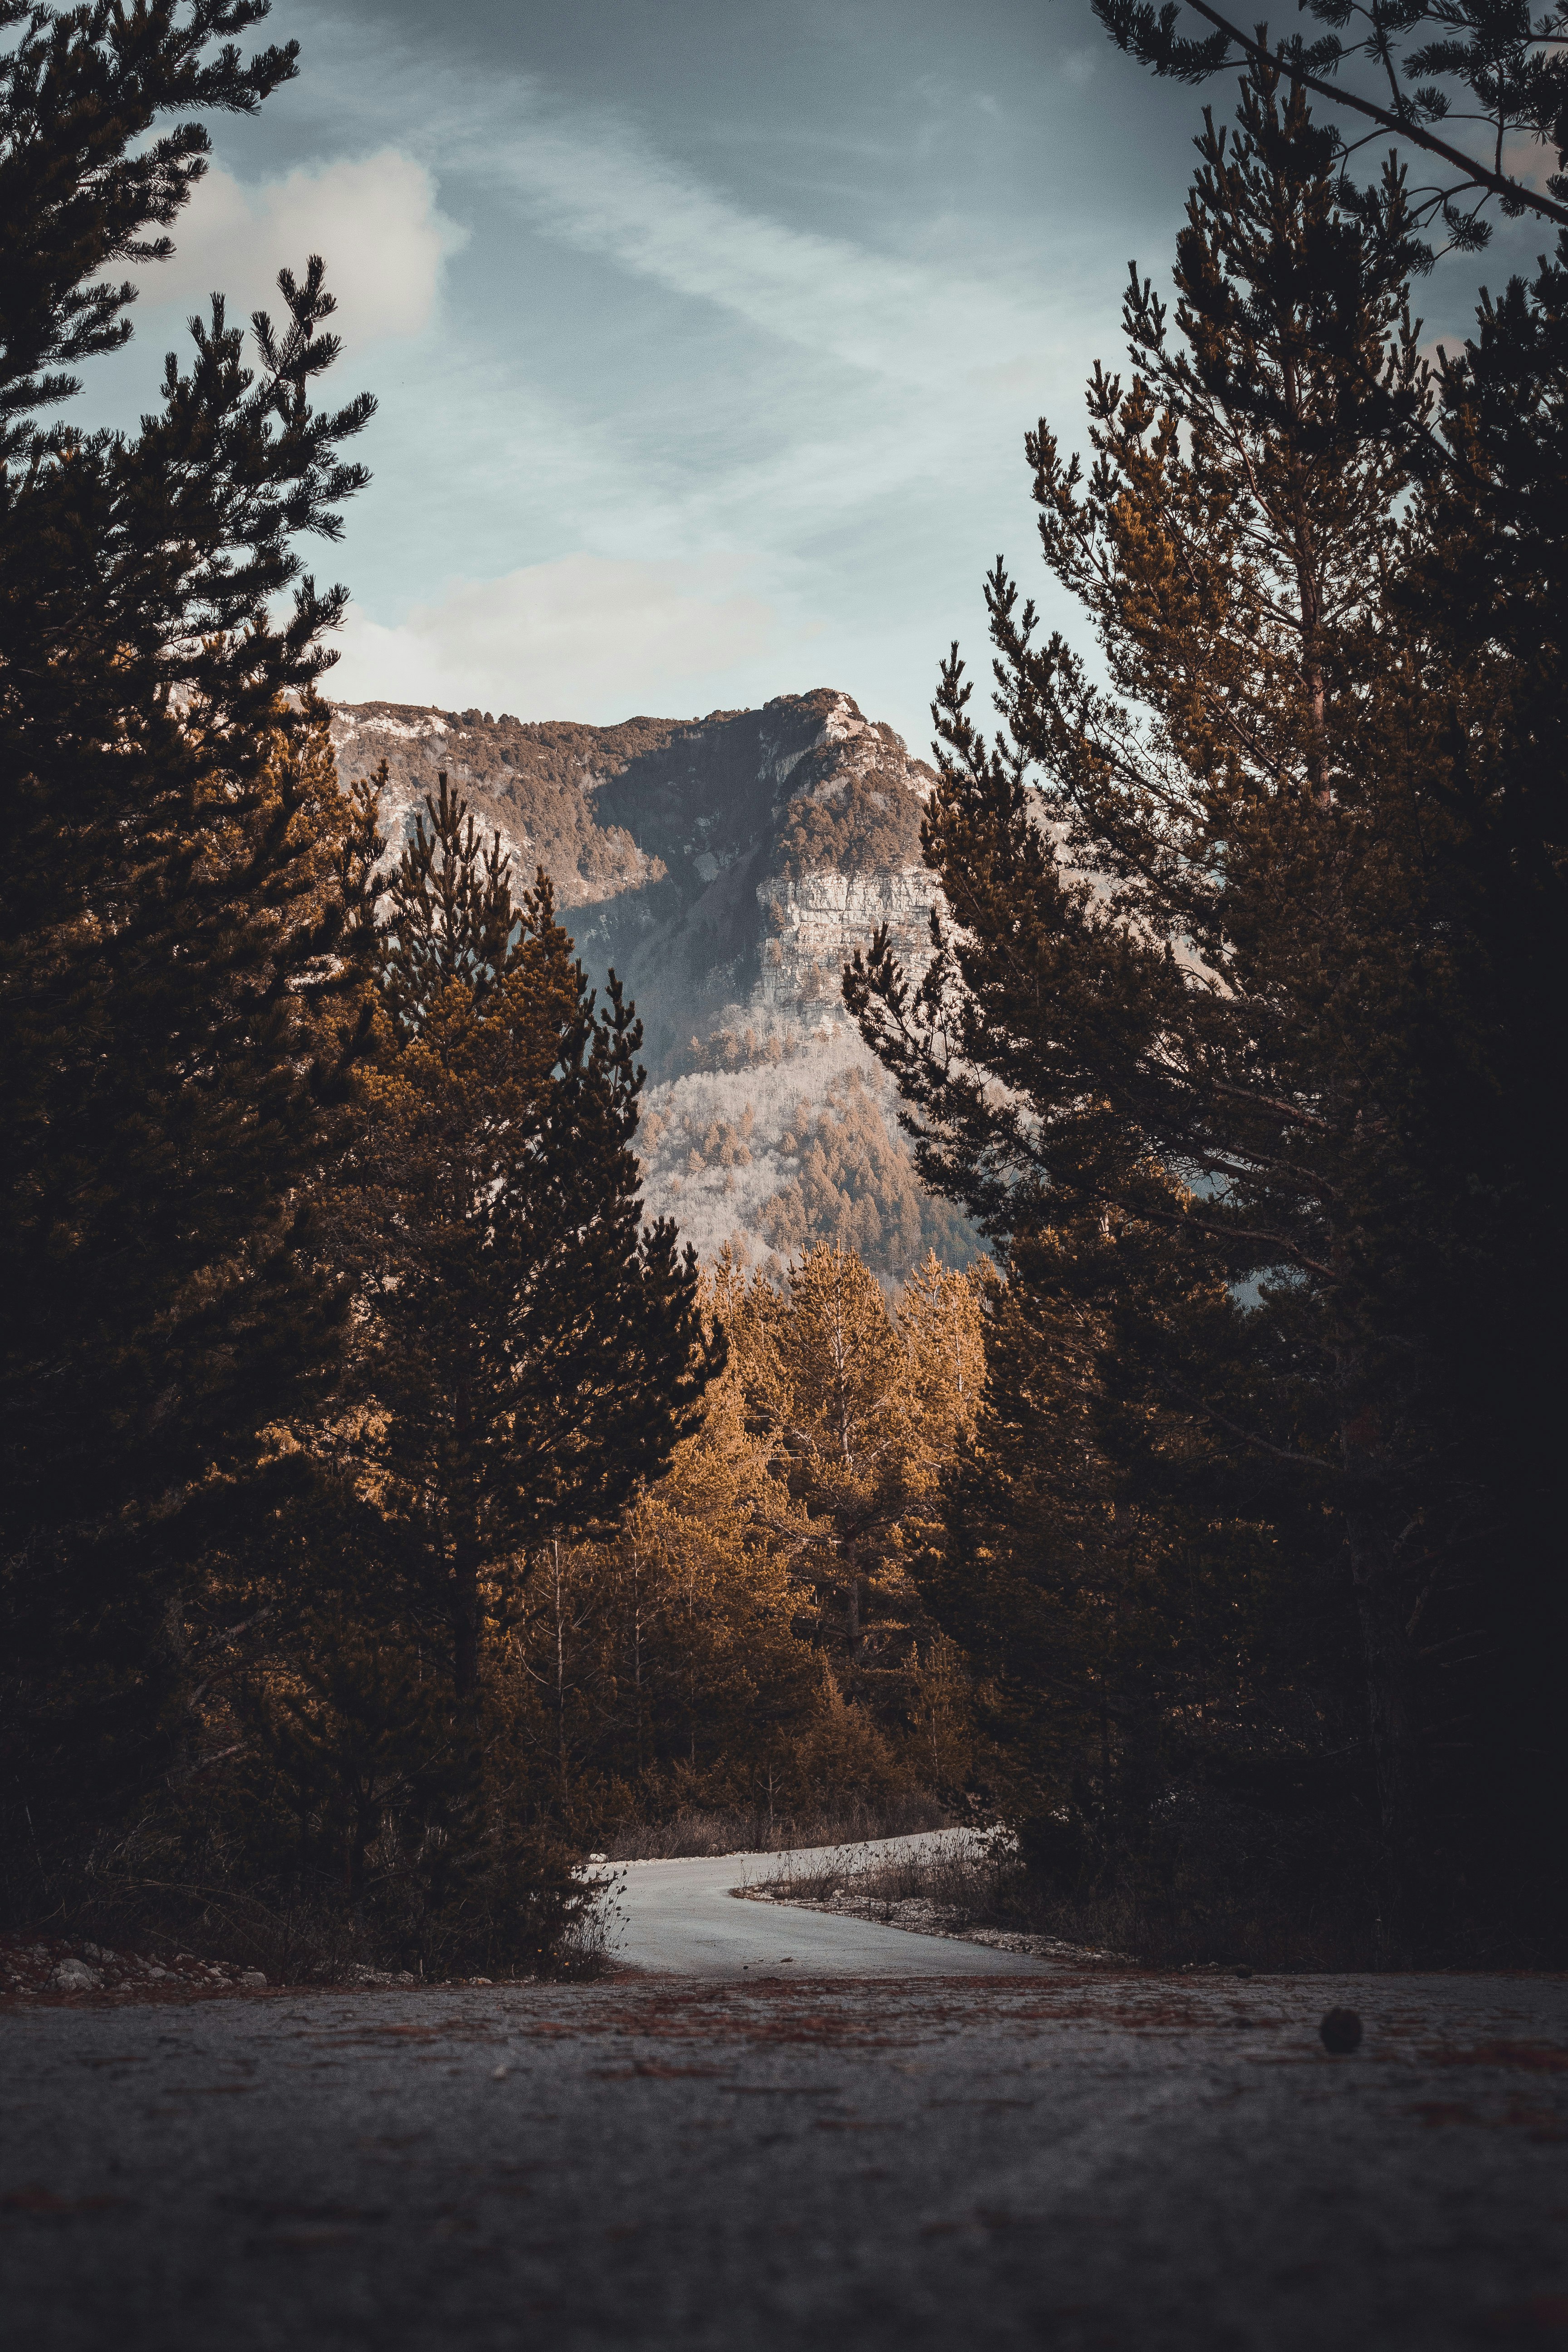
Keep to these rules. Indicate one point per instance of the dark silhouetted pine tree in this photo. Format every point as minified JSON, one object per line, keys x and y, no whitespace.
{"x":1205,"y":986}
{"x":183,"y":975}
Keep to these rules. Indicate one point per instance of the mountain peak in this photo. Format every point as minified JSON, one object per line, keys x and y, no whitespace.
{"x":725,"y":866}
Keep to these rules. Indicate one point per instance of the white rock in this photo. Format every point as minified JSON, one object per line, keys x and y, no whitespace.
{"x":73,"y":1976}
{"x":253,"y":1980}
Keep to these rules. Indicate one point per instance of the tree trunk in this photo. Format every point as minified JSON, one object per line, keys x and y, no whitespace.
{"x":637,"y":1653}
{"x":465,"y":1522}
{"x":563,"y":1762}
{"x":1385,"y":1640}
{"x":853,"y":1629}
{"x":464,"y":1602}
{"x":1385,"y":1656}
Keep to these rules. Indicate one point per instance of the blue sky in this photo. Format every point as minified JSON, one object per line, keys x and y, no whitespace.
{"x":705,"y":333}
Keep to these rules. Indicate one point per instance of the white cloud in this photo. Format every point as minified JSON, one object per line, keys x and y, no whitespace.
{"x":586,"y":637}
{"x":375,"y":222}
{"x":1531,"y":161}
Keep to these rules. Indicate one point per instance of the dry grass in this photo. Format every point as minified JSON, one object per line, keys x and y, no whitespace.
{"x":691,"y":1832}
{"x":964,"y":1878}
{"x":982,"y":1883}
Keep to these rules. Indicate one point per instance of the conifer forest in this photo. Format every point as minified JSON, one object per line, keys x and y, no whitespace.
{"x":1142,"y":1430}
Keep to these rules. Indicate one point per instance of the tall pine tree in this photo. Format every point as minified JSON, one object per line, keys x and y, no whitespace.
{"x":1201,"y":985}
{"x":181,"y":990}
{"x":539,"y":1350}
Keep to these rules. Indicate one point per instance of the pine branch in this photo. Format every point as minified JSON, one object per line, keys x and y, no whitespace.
{"x":1134,"y":27}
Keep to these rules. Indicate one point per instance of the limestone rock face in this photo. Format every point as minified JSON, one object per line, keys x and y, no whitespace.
{"x":814,"y":925}
{"x":726,"y":867}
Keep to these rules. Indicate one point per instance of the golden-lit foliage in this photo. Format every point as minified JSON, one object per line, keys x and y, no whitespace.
{"x":748,"y":1636}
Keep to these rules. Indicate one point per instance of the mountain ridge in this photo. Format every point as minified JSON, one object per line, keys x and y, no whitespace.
{"x":725,"y":866}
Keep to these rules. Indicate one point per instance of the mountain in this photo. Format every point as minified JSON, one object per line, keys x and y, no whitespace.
{"x":725,"y":868}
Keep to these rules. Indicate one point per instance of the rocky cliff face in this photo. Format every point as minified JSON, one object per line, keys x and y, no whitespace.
{"x":726,"y":867}
{"x":531,"y":783}
{"x":811,"y":926}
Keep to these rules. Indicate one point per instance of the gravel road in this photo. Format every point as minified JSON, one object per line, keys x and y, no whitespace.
{"x":896,"y":2165}
{"x":680,"y":1919}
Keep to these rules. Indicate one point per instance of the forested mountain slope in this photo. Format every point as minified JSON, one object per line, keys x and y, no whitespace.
{"x":725,"y":866}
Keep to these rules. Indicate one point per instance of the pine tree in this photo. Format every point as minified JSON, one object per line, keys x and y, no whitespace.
{"x":1200,"y":986}
{"x":1484,"y":595}
{"x":1508,"y":62}
{"x":539,"y":1350}
{"x":181,"y":990}
{"x":1157,"y":1683}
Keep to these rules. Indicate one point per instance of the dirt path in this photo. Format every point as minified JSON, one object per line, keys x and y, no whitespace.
{"x":680,"y":1918}
{"x":899,"y":2167}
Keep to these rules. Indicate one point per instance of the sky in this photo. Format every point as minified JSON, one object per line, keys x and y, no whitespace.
{"x":705,"y":333}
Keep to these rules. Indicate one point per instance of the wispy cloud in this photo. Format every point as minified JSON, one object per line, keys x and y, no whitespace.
{"x":687,"y":420}
{"x":600,"y":185}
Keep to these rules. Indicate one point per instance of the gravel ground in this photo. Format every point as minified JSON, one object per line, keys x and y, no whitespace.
{"x":1078,"y":2162}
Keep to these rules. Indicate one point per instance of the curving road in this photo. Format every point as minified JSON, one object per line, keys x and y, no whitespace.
{"x":680,"y":1918}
